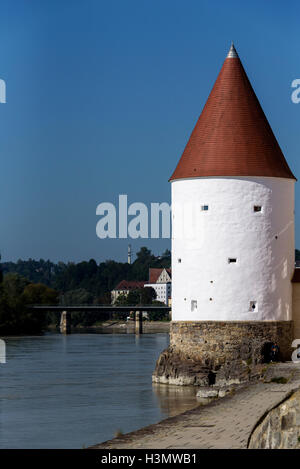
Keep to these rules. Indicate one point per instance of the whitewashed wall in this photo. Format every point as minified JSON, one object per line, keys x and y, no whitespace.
{"x":204,"y":240}
{"x":163,"y":291}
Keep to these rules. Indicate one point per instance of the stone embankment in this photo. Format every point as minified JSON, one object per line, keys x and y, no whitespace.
{"x":260,"y":415}
{"x":221,"y":353}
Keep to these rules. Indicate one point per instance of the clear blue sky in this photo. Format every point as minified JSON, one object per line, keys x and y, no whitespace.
{"x":102,"y":97}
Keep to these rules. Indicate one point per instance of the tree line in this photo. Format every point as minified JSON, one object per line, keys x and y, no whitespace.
{"x":43,"y":282}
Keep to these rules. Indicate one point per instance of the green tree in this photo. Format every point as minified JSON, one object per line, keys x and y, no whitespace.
{"x":159,"y":315}
{"x":37,"y":293}
{"x":140,"y":267}
{"x":104,"y":299}
{"x":1,"y":273}
{"x":79,"y":296}
{"x":15,"y":296}
{"x":134,"y":298}
{"x":147,"y":295}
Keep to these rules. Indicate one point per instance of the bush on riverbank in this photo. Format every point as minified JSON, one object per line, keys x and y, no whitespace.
{"x":16,"y":293}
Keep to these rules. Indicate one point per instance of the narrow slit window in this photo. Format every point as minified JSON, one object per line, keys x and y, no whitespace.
{"x":257,"y":208}
{"x":232,"y":260}
{"x":193,"y":305}
{"x":253,"y":306}
{"x":179,"y":260}
{"x":204,"y":208}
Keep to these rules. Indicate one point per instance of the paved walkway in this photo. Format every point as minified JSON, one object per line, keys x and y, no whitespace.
{"x":224,"y":423}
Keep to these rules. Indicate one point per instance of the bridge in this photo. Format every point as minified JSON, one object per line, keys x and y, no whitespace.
{"x":65,"y":320}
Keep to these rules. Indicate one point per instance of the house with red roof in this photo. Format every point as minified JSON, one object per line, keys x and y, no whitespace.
{"x":124,"y":287}
{"x":159,"y":279}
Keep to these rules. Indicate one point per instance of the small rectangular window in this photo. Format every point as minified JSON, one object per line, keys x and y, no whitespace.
{"x":232,"y":260}
{"x":257,"y":208}
{"x":204,"y":208}
{"x":179,"y":261}
{"x":253,"y":306}
{"x":193,"y":305}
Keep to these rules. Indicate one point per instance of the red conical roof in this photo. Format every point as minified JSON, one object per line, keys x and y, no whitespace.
{"x":232,"y":136}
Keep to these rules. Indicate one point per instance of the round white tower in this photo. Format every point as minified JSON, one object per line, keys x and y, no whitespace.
{"x":232,"y":248}
{"x":232,"y":240}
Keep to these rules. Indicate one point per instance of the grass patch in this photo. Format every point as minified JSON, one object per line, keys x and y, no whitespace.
{"x":279,"y":380}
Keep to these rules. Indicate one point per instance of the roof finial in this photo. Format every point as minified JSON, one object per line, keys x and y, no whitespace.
{"x":232,"y":54}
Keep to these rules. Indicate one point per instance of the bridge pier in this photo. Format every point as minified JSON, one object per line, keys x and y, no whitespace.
{"x":138,"y":322}
{"x":65,"y":322}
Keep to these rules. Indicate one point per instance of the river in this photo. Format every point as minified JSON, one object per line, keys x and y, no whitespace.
{"x":74,"y":391}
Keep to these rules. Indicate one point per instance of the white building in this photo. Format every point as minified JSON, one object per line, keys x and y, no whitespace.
{"x":160,"y":280}
{"x":163,"y":291}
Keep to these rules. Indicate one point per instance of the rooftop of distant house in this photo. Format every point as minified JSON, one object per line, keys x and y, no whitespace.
{"x":155,"y":273}
{"x":130,"y":284}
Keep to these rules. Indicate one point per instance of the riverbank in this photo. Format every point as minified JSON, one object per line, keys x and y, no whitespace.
{"x":124,"y":327}
{"x":238,"y":420}
{"x":107,"y":327}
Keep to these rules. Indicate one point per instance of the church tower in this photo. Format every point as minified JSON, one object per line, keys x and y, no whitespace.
{"x":232,"y":242}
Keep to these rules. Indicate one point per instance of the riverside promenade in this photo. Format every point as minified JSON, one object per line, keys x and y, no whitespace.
{"x":226,"y":423}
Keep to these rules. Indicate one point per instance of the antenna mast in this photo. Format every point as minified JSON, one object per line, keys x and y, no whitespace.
{"x":129,"y":254}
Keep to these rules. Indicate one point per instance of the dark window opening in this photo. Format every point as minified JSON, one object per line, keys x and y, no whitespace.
{"x":232,"y":260}
{"x":257,"y":208}
{"x":204,"y":207}
{"x":211,"y":378}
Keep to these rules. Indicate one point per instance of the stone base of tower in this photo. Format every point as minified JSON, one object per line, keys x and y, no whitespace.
{"x":220,"y":353}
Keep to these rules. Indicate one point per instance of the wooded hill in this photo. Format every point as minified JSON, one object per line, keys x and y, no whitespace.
{"x":86,"y":282}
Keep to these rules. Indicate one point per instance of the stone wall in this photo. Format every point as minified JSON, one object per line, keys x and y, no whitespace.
{"x":220,"y":353}
{"x":280,"y":429}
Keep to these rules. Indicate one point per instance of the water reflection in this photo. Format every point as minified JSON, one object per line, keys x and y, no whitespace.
{"x":174,"y":400}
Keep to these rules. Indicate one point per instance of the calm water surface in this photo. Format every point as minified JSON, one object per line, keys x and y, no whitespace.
{"x":73,"y":391}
